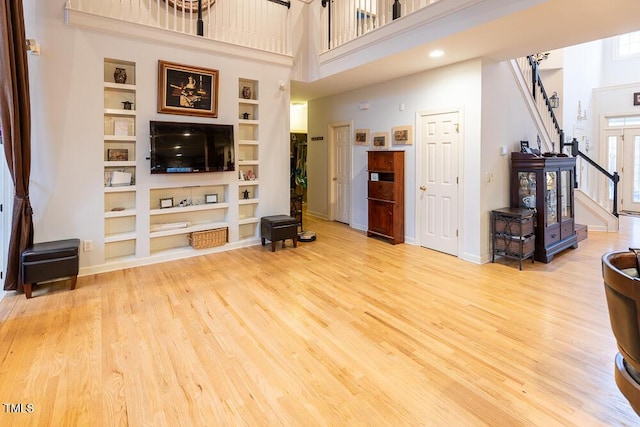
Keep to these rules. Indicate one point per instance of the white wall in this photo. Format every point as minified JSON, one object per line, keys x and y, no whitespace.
{"x":492,"y":112}
{"x":505,"y":122}
{"x":67,"y":104}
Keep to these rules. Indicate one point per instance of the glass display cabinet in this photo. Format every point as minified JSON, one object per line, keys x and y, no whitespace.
{"x":545,"y":185}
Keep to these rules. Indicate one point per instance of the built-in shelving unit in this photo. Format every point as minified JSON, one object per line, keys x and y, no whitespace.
{"x":247,"y":158}
{"x":186,"y":210}
{"x":119,"y":159}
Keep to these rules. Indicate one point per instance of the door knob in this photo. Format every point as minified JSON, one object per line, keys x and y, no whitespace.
{"x":423,"y":187}
{"x":335,"y":178}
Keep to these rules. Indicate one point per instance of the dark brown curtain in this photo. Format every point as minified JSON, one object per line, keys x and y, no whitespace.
{"x":15,"y":125}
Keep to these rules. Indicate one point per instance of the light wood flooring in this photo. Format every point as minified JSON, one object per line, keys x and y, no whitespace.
{"x":344,"y":331}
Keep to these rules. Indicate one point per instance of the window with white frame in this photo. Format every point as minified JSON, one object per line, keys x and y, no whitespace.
{"x":627,"y":45}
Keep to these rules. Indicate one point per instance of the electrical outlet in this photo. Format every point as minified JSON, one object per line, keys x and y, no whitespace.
{"x":87,"y":245}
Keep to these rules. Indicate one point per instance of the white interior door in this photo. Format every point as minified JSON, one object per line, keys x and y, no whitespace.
{"x":341,"y":178}
{"x":438,"y":182}
{"x":630,"y":176}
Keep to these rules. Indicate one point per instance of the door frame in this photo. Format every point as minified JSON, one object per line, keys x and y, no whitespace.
{"x":331,"y":193}
{"x":419,"y":165}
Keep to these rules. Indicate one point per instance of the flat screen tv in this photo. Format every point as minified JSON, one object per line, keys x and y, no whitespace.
{"x":191,"y":147}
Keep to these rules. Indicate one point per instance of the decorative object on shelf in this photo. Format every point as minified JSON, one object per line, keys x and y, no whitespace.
{"x":187,"y":90}
{"x":245,"y":194}
{"x":117,"y":154}
{"x":211,"y":198}
{"x":397,"y":9}
{"x":250,"y":176}
{"x":166,"y":202}
{"x":120,"y":75}
{"x":190,"y":5}
{"x":381,"y":140}
{"x":539,"y":57}
{"x":582,"y":115}
{"x":246,"y":92}
{"x":402,"y":135}
{"x":361,"y":137}
{"x":127,"y":105}
{"x":636,"y":98}
{"x":529,"y":201}
{"x":245,"y":116}
{"x":554,"y":100}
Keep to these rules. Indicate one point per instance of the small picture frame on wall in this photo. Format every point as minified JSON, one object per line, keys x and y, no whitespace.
{"x":636,"y":98}
{"x":211,"y":198}
{"x":402,"y":135}
{"x":380,"y":140}
{"x":166,"y":202}
{"x":361,"y":137}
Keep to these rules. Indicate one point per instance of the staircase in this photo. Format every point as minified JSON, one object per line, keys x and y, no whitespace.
{"x":589,"y":213}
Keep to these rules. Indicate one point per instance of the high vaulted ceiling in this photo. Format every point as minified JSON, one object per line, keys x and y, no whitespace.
{"x":549,"y":25}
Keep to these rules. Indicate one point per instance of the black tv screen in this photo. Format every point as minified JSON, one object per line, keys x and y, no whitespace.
{"x":191,"y":147}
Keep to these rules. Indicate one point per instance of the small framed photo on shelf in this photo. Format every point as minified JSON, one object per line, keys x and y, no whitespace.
{"x":381,"y":140}
{"x":402,"y":135}
{"x":211,"y":198}
{"x":375,"y":176}
{"x":121,"y":127}
{"x":117,"y":154}
{"x":166,"y":202}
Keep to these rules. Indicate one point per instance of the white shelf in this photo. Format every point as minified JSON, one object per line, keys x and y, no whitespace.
{"x":119,"y":86}
{"x":248,"y":101}
{"x":119,"y":112}
{"x":248,"y":142}
{"x":186,"y":230}
{"x":250,"y":220}
{"x":120,"y":214}
{"x":248,"y":162}
{"x":248,"y":122}
{"x":120,"y":189}
{"x":248,"y":201}
{"x":193,"y":208}
{"x":119,"y":237}
{"x":247,"y":183}
{"x":120,"y":138}
{"x":119,"y":164}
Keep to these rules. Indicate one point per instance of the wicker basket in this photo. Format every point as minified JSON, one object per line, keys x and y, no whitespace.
{"x":208,"y":238}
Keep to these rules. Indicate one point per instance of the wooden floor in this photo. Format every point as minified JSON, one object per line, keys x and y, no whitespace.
{"x":344,"y":331}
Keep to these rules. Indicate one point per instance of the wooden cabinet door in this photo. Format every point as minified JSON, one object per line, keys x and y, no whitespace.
{"x":381,"y":217}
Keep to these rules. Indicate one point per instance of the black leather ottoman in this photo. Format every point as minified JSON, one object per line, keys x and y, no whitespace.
{"x":48,"y":261}
{"x":279,"y":227}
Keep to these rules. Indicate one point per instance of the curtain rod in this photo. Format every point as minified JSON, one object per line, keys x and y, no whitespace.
{"x":282,"y":2}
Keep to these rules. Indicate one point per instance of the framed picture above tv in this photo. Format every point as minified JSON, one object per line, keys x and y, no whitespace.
{"x":187,"y":90}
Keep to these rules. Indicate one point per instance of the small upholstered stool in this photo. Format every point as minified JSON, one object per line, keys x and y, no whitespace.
{"x":48,"y":261}
{"x":279,"y":227}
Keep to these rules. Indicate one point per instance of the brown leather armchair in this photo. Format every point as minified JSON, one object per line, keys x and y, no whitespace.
{"x":622,"y":287}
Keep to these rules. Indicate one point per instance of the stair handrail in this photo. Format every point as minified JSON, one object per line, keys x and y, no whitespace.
{"x":613,"y":177}
{"x":537,"y":81}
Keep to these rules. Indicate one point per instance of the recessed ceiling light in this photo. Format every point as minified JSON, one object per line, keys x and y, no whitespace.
{"x":436,"y":53}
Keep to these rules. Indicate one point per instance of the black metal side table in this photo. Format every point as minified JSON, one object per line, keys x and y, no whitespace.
{"x":513,"y":233}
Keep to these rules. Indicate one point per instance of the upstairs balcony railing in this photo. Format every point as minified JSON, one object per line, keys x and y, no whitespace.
{"x":345,"y":20}
{"x":258,"y":24}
